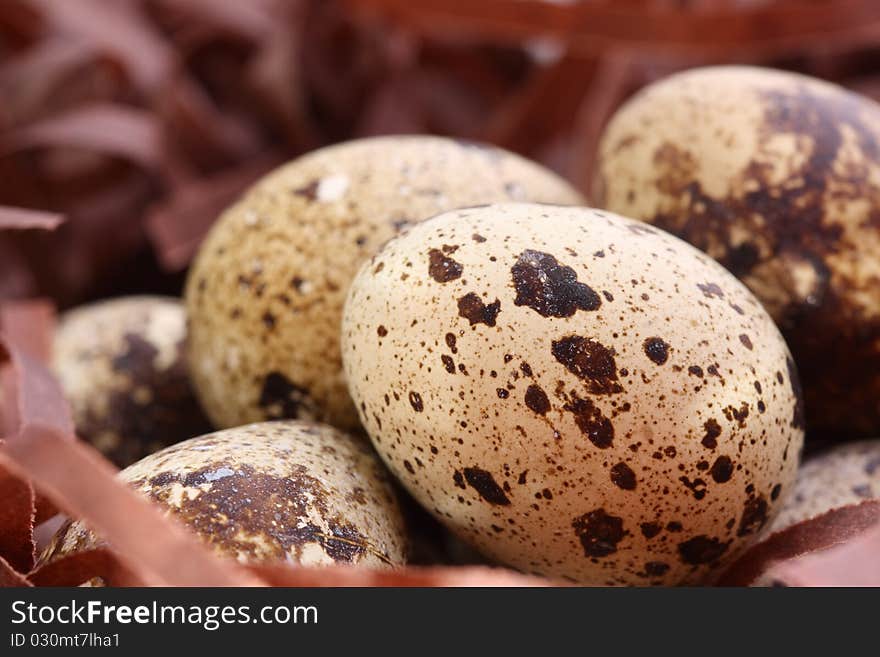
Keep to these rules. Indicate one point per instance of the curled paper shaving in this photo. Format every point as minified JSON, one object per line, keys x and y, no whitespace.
{"x":814,"y":535}
{"x":461,"y":576}
{"x":177,"y":226}
{"x":30,"y":326}
{"x":9,"y":576}
{"x":17,"y":513}
{"x":589,"y":27}
{"x":854,"y":563}
{"x":24,"y":219}
{"x":104,"y":128}
{"x":81,"y":567}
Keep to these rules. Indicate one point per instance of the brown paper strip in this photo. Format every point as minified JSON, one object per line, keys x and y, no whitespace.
{"x":855,"y":563}
{"x":9,"y":576}
{"x":118,"y":27}
{"x":251,"y":19}
{"x":592,"y":27}
{"x":80,"y":567}
{"x":337,"y":576}
{"x":820,"y":533}
{"x":30,"y":326}
{"x":17,"y":505}
{"x":23,"y":219}
{"x":115,"y":130}
{"x":178,"y":226}
{"x":38,"y":394}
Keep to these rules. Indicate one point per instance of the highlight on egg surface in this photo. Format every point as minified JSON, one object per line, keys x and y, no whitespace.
{"x":122,"y":365}
{"x":287,"y":492}
{"x":265,"y":293}
{"x":776,"y":176}
{"x":577,"y":394}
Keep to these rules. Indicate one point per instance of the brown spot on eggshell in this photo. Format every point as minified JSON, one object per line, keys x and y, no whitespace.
{"x":656,"y":349}
{"x":656,"y":568}
{"x":599,"y":533}
{"x":701,"y":550}
{"x":738,"y":415}
{"x":697,"y":486}
{"x":484,"y":483}
{"x":442,"y":268}
{"x":623,"y":477}
{"x":754,"y":516}
{"x":722,"y":469}
{"x":711,"y":290}
{"x":650,"y":529}
{"x":592,"y":423}
{"x":308,"y":191}
{"x":713,"y":430}
{"x":280,"y":399}
{"x":536,"y":399}
{"x":549,"y":288}
{"x":458,"y":478}
{"x":590,"y":361}
{"x":472,"y":308}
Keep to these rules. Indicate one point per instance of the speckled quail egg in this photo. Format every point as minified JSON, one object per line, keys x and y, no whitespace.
{"x":283,"y":491}
{"x":266,"y":291}
{"x":776,"y":176}
{"x":123,"y":369}
{"x":844,"y":475}
{"x":577,"y":394}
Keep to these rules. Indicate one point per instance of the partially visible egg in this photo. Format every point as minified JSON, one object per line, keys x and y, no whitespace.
{"x":577,"y":394}
{"x":265,"y":293}
{"x":776,"y":176}
{"x":271,"y":492}
{"x":123,"y":369}
{"x":847,"y":474}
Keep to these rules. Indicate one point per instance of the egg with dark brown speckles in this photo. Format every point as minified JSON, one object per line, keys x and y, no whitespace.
{"x":265,"y":293}
{"x":844,"y":475}
{"x":122,"y":366}
{"x":776,"y":176}
{"x":288,"y":491}
{"x":577,"y":394}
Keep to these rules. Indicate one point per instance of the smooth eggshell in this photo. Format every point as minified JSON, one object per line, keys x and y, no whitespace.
{"x":578,"y":394}
{"x":123,"y":368}
{"x":275,"y":491}
{"x":847,"y":474}
{"x":776,"y":176}
{"x":265,"y":293}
